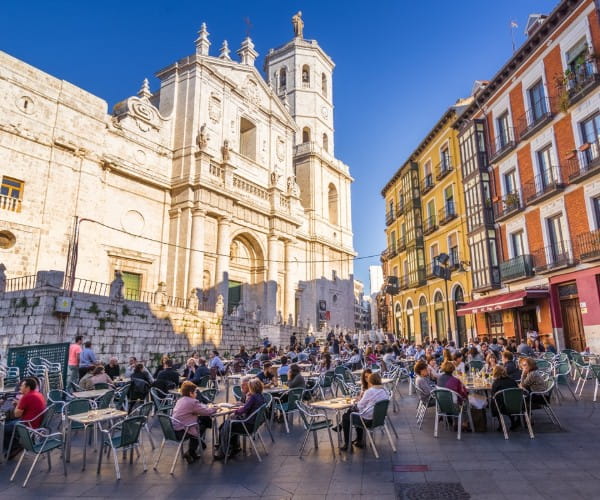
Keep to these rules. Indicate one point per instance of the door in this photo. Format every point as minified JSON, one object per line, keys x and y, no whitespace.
{"x":131,"y":285}
{"x":572,"y":324}
{"x":235,"y":295}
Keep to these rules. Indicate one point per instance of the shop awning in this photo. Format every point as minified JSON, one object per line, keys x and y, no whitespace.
{"x":499,"y":302}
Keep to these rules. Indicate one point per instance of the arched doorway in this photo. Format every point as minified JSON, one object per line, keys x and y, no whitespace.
{"x":397,"y":319}
{"x":440,"y":321}
{"x":410,"y":321}
{"x":246,"y":273}
{"x":459,"y":321}
{"x":423,"y":318}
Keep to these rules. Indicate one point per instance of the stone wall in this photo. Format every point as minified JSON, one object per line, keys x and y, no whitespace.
{"x":121,"y":328}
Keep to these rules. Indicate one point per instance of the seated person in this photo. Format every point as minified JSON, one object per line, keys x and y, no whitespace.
{"x":216,"y":363}
{"x":190,"y":369}
{"x":161,"y":366}
{"x":502,"y":381}
{"x":112,"y":369}
{"x":201,"y":371}
{"x":432,"y":368}
{"x":490,"y":363}
{"x":355,"y":360}
{"x":85,"y":382}
{"x":295,"y":378}
{"x":423,"y":381}
{"x":244,"y":386}
{"x":449,"y":381}
{"x":188,"y":410}
{"x":459,"y":363}
{"x":254,"y":401}
{"x":372,"y":395}
{"x":267,"y":376}
{"x":512,"y":370}
{"x":284,"y":368}
{"x":532,"y":380}
{"x":141,"y":381}
{"x":325,"y":364}
{"x":99,"y":376}
{"x":364,"y":381}
{"x":29,"y":405}
{"x":243,"y":354}
{"x":168,"y":377}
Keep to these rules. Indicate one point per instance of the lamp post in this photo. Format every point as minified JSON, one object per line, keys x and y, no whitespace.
{"x":445,"y":273}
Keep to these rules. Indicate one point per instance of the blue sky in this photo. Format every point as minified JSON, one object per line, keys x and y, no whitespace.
{"x":399,"y":64}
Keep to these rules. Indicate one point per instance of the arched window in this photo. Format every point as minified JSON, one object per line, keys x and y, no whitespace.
{"x":325,"y":142}
{"x":324,"y":84}
{"x":423,"y":318}
{"x":305,"y":76}
{"x":305,"y":135}
{"x":332,"y":197}
{"x":397,"y":319}
{"x":410,"y":321}
{"x":460,"y":321}
{"x":247,"y":139}
{"x":282,"y":79}
{"x":440,"y":322}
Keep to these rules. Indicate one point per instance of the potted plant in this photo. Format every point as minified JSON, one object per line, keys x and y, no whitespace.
{"x":571,"y":154}
{"x":512,"y":200}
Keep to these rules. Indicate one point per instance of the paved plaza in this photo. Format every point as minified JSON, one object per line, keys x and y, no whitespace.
{"x":556,"y":464}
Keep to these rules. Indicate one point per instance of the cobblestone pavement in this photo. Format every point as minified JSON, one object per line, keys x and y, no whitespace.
{"x":556,"y":464}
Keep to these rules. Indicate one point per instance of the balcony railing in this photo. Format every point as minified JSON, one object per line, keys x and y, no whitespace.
{"x":474,"y":222}
{"x":443,"y":168}
{"x":582,"y":81}
{"x":417,"y":278}
{"x":427,"y":183}
{"x":535,"y":118}
{"x":543,"y":186}
{"x":517,"y":268}
{"x":447,"y":213}
{"x":403,"y":282}
{"x":401,"y":244}
{"x":392,"y":251}
{"x":508,"y":205}
{"x":434,"y":270}
{"x":553,"y":257}
{"x":503,"y":144}
{"x":585,"y":164}
{"x":389,"y":218}
{"x":400,"y":208}
{"x":430,"y":225}
{"x":9,"y":203}
{"x":587,"y":246}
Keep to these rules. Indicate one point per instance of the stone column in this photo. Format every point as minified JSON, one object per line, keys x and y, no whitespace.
{"x":196,"y":265}
{"x":270,"y":302}
{"x":223,"y":247}
{"x":289,"y":293}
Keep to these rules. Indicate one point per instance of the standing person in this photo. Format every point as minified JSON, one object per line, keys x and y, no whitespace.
{"x":74,"y":354}
{"x":293,"y":340}
{"x":87,"y":358}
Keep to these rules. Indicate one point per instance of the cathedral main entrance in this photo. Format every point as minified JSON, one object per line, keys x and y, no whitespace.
{"x":246,"y":275}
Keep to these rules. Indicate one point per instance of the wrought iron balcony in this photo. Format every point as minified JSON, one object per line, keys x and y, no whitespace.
{"x":403,"y":282}
{"x":430,"y":225}
{"x":503,"y":144}
{"x":389,"y":218}
{"x":401,"y":244}
{"x":507,"y":205}
{"x":517,"y":268}
{"x":416,"y":278}
{"x":553,"y":257}
{"x":10,"y":203}
{"x":400,"y":207}
{"x":447,"y":213}
{"x":587,"y":246}
{"x":582,"y":81}
{"x":443,"y":168}
{"x":434,"y":270}
{"x":427,"y":183}
{"x":535,"y":118}
{"x":476,"y":222}
{"x":543,"y":186}
{"x":585,"y":163}
{"x":392,"y":251}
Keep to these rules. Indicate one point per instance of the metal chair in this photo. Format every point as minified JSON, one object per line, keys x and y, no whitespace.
{"x":448,"y":404}
{"x":513,"y":400}
{"x":251,"y":430}
{"x":314,"y":422}
{"x":326,"y":383}
{"x":204,"y":381}
{"x":287,"y":407}
{"x":206,"y":396}
{"x":124,"y":436}
{"x":58,"y":398}
{"x":425,"y":401}
{"x":237,"y":392}
{"x":378,"y":421}
{"x":45,"y":425}
{"x":562,"y":374}
{"x":144,"y":411}
{"x":74,"y":407}
{"x":169,"y":434}
{"x":101,"y":385}
{"x":254,"y":371}
{"x":476,"y":365}
{"x":121,"y":399}
{"x":543,"y":400}
{"x":163,"y":403}
{"x":582,"y":372}
{"x":105,"y":400}
{"x":38,"y":443}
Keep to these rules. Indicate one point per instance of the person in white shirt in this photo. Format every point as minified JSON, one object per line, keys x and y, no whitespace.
{"x":372,"y":395}
{"x":284,"y":368}
{"x":355,"y":359}
{"x":216,"y":362}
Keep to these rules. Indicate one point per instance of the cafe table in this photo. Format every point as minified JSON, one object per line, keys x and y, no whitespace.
{"x":92,"y":394}
{"x":92,"y":419}
{"x":336,"y":404}
{"x":223,"y":410}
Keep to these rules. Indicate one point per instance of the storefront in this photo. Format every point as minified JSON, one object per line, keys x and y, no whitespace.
{"x":511,"y":315}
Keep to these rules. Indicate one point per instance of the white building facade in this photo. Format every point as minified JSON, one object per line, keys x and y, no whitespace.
{"x":218,"y":183}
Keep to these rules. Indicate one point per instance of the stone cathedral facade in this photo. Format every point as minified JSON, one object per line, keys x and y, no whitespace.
{"x":221,"y":182}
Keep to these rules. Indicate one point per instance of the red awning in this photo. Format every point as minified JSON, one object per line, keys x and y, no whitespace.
{"x":499,"y":302}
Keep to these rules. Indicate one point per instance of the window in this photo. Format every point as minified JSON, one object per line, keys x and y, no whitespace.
{"x":395,"y":271}
{"x":449,"y":203}
{"x":248,"y":139}
{"x":430,"y":209}
{"x":325,"y":142}
{"x":453,"y":250}
{"x":557,"y":246}
{"x":495,"y":325}
{"x":324,"y":84}
{"x":434,"y":251}
{"x":596,"y":208}
{"x":132,"y":283}
{"x":517,"y":244}
{"x":393,"y":240}
{"x":305,"y":135}
{"x":332,"y":197}
{"x":391,"y":208}
{"x":282,"y":79}
{"x":423,"y":320}
{"x":305,"y":76}
{"x":510,"y":181}
{"x":427,"y":175}
{"x":546,"y":171}
{"x":440,"y":321}
{"x":11,"y":194}
{"x":590,"y":134}
{"x":576,"y":56}
{"x":537,"y":102}
{"x":504,"y":135}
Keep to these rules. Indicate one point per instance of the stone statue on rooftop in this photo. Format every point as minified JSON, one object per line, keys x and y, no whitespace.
{"x":298,"y":24}
{"x":116,"y":287}
{"x":220,"y":306}
{"x":193,"y":301}
{"x":225,"y":150}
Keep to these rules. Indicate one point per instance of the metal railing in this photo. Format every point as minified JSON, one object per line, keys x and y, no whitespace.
{"x":538,"y":114}
{"x":582,"y":80}
{"x":389,"y":217}
{"x":401,"y":243}
{"x":554,"y":256}
{"x":443,"y":168}
{"x":587,"y":245}
{"x":503,"y":143}
{"x":427,"y":183}
{"x":20,"y":283}
{"x":9,"y":203}
{"x":400,"y":207}
{"x":586,"y":161}
{"x":508,"y":204}
{"x":518,"y":267}
{"x":416,"y":278}
{"x":543,"y":185}
{"x":447,"y":213}
{"x":430,"y":224}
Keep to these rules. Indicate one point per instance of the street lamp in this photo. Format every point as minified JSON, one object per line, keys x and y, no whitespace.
{"x":445,"y":273}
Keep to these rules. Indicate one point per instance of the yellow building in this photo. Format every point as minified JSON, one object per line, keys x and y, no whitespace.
{"x":427,"y":238}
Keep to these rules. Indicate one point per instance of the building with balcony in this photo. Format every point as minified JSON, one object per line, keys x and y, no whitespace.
{"x":433,"y":222}
{"x":538,"y":120}
{"x":221,"y":181}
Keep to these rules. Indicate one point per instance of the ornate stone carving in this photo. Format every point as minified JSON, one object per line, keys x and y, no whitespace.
{"x":116,"y":286}
{"x":280,"y":148}
{"x":202,"y":138}
{"x":225,"y":150}
{"x":292,"y":186}
{"x":160,"y":298}
{"x":193,"y":301}
{"x":298,"y":25}
{"x":220,"y":306}
{"x":214,"y":108}
{"x":251,"y":91}
{"x":275,"y":176}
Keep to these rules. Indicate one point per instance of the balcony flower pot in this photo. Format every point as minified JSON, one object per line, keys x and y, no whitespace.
{"x":585,"y":146}
{"x":512,"y":200}
{"x":571,"y":154}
